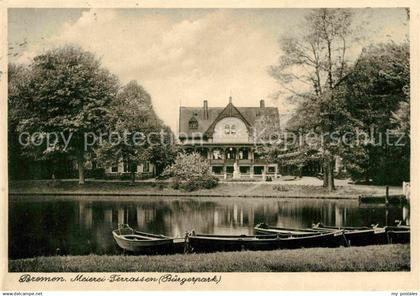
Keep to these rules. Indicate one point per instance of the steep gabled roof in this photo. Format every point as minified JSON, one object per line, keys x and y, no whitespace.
{"x":229,"y":111}
{"x":250,"y":116}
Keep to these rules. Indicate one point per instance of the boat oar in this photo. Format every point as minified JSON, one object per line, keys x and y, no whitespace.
{"x":187,"y":245}
{"x":346,"y":242}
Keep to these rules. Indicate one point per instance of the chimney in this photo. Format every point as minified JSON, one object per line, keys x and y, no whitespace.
{"x":262,"y":104}
{"x":205,"y":110}
{"x":230,"y":100}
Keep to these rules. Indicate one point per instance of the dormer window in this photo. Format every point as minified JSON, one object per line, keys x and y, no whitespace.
{"x":193,"y":123}
{"x":227,"y":129}
{"x":230,"y":129}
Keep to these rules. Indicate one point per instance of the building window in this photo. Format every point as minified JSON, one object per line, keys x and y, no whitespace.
{"x":217,"y":170}
{"x":130,"y":166}
{"x":232,"y":129}
{"x":114,"y":169}
{"x":134,"y":164}
{"x":258,"y":154}
{"x":230,"y":153}
{"x":203,"y":152}
{"x":146,"y":167}
{"x":243,"y":153}
{"x":229,"y":169}
{"x":193,"y":123}
{"x":227,"y":129}
{"x":244,"y":169}
{"x":272,"y":169}
{"x":217,"y":154}
{"x":258,"y":170}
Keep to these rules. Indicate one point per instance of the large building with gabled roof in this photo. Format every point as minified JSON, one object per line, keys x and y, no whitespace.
{"x":230,"y":138}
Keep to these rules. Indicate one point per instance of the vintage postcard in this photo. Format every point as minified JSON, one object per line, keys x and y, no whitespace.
{"x":206,"y":145}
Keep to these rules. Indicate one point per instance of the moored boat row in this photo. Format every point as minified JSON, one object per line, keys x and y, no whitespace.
{"x":267,"y":238}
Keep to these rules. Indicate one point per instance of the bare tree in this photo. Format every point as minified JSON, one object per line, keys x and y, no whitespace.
{"x":315,"y":62}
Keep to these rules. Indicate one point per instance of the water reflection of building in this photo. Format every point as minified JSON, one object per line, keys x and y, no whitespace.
{"x":108,"y":216}
{"x":121,"y":216}
{"x":144,"y":216}
{"x":233,"y":216}
{"x":85,"y":214}
{"x":338,"y":215}
{"x":216,"y":218}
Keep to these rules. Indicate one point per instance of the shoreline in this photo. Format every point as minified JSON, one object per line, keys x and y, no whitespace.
{"x":143,"y":194}
{"x":369,"y":258}
{"x":282,"y":190}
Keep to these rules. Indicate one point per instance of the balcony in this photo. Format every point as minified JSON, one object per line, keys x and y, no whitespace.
{"x":230,"y":161}
{"x":244,"y":161}
{"x":217,"y":161}
{"x":260,"y":161}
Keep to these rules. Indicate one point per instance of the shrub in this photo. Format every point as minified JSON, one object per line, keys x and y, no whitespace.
{"x":190,"y":186}
{"x":175,"y":184}
{"x":210,"y":181}
{"x":191,"y":172}
{"x":162,"y":177}
{"x":206,"y":182}
{"x":342,"y":175}
{"x":98,"y":173}
{"x":125,"y":176}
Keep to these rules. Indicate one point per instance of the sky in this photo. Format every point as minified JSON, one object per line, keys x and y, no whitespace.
{"x":185,"y":56}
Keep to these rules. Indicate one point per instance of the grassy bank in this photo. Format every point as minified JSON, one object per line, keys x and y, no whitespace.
{"x":254,"y":189}
{"x":370,"y":258}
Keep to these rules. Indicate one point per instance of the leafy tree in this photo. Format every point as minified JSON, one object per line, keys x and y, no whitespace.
{"x":68,"y":95}
{"x":18,"y":92}
{"x":164,"y":153}
{"x":401,"y":118}
{"x":376,"y":96}
{"x":133,"y":128}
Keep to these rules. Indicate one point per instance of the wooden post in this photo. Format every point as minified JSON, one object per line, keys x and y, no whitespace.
{"x":387,"y":194}
{"x":81,"y":169}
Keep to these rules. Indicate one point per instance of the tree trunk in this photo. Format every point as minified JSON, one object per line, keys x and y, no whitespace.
{"x":367,"y":177}
{"x":81,"y":168}
{"x":133,"y":177}
{"x":132,"y":172}
{"x":325,"y":171}
{"x":331,"y":186}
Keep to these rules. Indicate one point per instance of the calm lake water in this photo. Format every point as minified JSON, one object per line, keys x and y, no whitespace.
{"x":80,"y":227}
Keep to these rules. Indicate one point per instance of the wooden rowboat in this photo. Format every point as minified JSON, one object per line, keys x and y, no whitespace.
{"x":208,"y":242}
{"x":358,"y":236}
{"x":398,"y":234}
{"x":322,"y":226}
{"x":362,"y":236}
{"x":135,"y":241}
{"x":263,"y":228}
